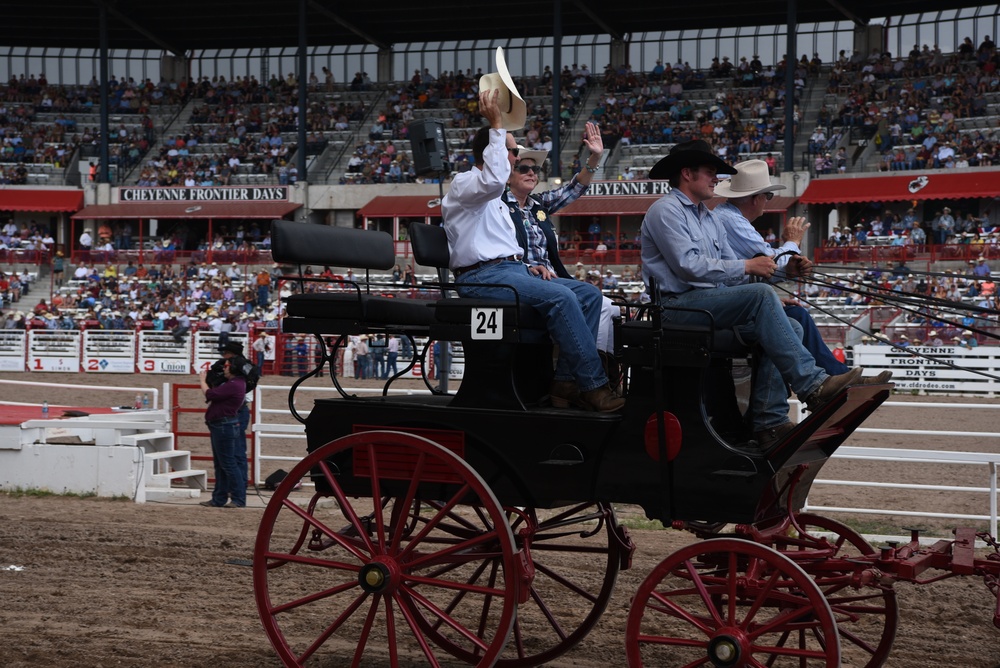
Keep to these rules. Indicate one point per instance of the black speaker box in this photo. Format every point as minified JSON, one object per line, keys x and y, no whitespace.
{"x":272,"y":481}
{"x":430,"y":150}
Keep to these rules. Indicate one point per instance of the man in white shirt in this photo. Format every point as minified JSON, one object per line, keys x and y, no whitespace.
{"x":484,"y":250}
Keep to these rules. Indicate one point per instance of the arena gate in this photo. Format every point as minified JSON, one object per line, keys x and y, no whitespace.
{"x":160,"y":353}
{"x":54,"y":350}
{"x":108,"y":351}
{"x":206,"y":348}
{"x":12,"y":349}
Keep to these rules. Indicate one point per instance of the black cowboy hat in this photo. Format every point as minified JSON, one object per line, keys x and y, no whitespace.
{"x":234,"y":347}
{"x":689,"y":154}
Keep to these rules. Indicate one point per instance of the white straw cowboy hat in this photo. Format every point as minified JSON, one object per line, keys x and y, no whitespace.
{"x":751,"y":178}
{"x":524,"y":153}
{"x":513,"y":111}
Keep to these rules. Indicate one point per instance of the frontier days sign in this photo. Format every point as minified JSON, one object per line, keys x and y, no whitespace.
{"x":272,"y":194}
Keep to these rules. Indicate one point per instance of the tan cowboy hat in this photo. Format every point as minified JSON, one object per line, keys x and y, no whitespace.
{"x":692,"y":153}
{"x":751,"y":178}
{"x":513,"y":111}
{"x":524,"y":153}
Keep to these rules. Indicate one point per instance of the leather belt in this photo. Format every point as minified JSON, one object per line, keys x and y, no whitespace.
{"x":485,"y":263}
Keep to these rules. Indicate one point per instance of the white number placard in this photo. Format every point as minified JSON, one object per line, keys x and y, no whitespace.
{"x":487,"y":324}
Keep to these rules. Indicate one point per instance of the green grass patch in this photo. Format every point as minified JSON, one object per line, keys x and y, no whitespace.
{"x":641,"y":523}
{"x":19,"y":492}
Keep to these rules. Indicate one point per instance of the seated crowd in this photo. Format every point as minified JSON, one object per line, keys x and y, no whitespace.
{"x":881,"y":223}
{"x":913,"y":106}
{"x":157,"y":297}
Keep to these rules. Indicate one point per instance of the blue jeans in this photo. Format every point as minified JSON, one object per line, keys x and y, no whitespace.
{"x":243,"y":416}
{"x":814,"y":343}
{"x":390,"y":366}
{"x":572,"y":312}
{"x":755,"y":313}
{"x":230,"y":484}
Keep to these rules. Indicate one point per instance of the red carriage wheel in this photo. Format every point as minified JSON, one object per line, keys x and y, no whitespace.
{"x":734,"y":603}
{"x":584,"y":538}
{"x":866,"y":617}
{"x":565,"y":602}
{"x":379,"y":565}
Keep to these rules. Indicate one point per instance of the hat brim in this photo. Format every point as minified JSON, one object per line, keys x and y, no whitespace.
{"x":513,"y":110}
{"x":673,"y":163}
{"x":725,"y":189}
{"x":531,"y":154}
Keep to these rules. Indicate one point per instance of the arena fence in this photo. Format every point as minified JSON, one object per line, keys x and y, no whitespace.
{"x":154,"y":394}
{"x":930,"y":458}
{"x":112,"y":351}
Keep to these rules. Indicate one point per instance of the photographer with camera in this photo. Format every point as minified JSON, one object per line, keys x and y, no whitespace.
{"x":227,"y":385}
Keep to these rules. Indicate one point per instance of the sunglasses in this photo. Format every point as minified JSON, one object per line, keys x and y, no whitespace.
{"x":525,"y":169}
{"x":514,"y":150}
{"x":768,"y":196}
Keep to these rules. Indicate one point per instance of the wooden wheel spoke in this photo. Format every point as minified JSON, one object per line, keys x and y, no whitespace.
{"x":445,"y":618}
{"x":433,"y":522}
{"x":346,"y":507}
{"x":335,"y":536}
{"x":332,"y":628}
{"x":314,"y":597}
{"x":565,"y":582}
{"x":366,"y":630}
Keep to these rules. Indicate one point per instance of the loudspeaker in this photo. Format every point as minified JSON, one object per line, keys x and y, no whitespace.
{"x":430,"y":151}
{"x":272,"y":481}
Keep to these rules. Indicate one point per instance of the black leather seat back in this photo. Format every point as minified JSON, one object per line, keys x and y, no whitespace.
{"x":308,"y":243}
{"x":430,"y":245}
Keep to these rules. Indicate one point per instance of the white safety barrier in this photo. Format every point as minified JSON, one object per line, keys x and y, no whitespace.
{"x":206,"y":348}
{"x":915,"y":372}
{"x":934,"y":457}
{"x":53,"y":350}
{"x":12,"y":349}
{"x":108,"y":351}
{"x":930,"y":457}
{"x":160,"y":353}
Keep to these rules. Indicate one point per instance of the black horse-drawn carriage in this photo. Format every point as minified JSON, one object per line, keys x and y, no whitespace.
{"x":477,"y":527}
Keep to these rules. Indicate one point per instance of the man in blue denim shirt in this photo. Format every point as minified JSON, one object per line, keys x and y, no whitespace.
{"x":686,"y":251}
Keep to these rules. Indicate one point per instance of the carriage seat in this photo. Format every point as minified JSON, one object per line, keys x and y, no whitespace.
{"x":687,"y":345}
{"x":352,"y":309}
{"x":455,"y":316}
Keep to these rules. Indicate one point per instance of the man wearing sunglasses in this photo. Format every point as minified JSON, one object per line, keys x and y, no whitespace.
{"x":532,"y":215}
{"x":485,"y":257}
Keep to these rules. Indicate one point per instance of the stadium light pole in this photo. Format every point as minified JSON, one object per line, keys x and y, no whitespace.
{"x":790,"y":61}
{"x":556,"y":87}
{"x":103,"y":167}
{"x":300,"y":154}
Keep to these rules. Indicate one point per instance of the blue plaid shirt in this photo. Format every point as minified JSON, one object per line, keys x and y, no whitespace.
{"x":540,"y":206}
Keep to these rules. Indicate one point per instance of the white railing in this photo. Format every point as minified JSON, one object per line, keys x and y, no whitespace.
{"x":154,"y":401}
{"x":915,"y":456}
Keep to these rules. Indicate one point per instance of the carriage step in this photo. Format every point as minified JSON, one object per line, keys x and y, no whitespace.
{"x":193,"y":478}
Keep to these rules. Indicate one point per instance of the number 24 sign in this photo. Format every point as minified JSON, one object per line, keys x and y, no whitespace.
{"x":487,"y":324}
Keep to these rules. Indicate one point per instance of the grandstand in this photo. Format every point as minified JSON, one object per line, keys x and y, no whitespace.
{"x":283,"y":142}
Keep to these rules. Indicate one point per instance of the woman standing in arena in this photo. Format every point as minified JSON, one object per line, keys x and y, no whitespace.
{"x":224,"y":402}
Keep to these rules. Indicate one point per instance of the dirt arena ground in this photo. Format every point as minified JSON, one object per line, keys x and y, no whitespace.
{"x":103,"y":582}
